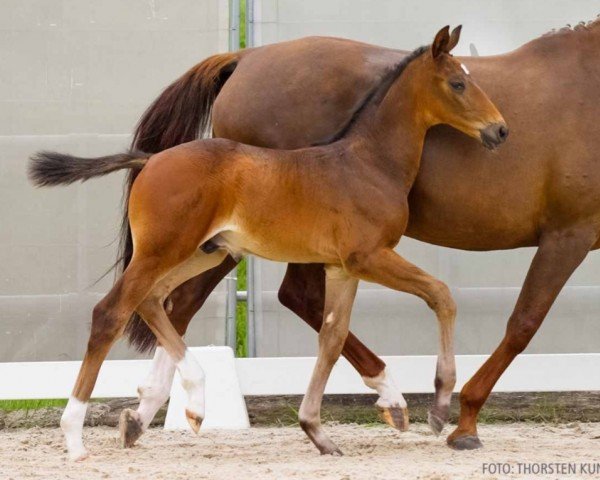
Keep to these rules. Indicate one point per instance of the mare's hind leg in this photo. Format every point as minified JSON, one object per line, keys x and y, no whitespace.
{"x":153,"y":312}
{"x":108,"y":321}
{"x":558,"y":255}
{"x":303,"y":292}
{"x":388,"y":268}
{"x":340,"y":291}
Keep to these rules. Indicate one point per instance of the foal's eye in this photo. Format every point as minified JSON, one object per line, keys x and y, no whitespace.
{"x":457,"y":86}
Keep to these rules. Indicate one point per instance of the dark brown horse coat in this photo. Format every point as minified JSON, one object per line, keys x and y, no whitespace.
{"x":542,"y":188}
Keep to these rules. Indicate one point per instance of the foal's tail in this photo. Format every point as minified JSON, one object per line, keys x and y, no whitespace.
{"x":53,"y":168}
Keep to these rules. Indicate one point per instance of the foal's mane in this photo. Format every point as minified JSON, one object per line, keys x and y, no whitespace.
{"x":377,"y":93}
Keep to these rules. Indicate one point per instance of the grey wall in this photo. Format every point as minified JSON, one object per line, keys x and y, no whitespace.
{"x":485,"y":285}
{"x":494,"y":26}
{"x":75,"y":76}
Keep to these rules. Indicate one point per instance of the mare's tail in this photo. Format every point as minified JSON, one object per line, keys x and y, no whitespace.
{"x":180,"y":113}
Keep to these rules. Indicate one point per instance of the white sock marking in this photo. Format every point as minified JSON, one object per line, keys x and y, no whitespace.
{"x":71,"y":423}
{"x":155,"y":390}
{"x":389,"y":394}
{"x":192,"y":379}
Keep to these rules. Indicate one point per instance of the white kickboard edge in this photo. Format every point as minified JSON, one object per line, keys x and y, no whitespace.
{"x":41,"y":380}
{"x":288,"y":376}
{"x":225,"y":405}
{"x":415,"y":374}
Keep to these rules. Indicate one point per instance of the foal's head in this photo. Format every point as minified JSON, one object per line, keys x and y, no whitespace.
{"x":448,"y":94}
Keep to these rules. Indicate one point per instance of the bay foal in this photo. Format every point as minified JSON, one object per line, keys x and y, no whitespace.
{"x":343,"y":204}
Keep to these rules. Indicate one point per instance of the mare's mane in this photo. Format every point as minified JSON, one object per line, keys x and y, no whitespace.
{"x":580,"y":27}
{"x":379,"y":91}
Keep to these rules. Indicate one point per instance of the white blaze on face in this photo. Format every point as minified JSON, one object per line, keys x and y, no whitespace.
{"x":71,"y":424}
{"x":465,"y":69}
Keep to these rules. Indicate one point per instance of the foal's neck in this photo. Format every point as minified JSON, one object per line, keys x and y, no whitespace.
{"x":392,"y":132}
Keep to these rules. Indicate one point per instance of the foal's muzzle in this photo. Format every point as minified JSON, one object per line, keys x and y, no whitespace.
{"x":493,"y":135}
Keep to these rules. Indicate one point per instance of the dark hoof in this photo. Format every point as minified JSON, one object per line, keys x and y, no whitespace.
{"x":130,"y":427}
{"x":396,"y":417}
{"x":437,"y":418}
{"x":466,"y":442}
{"x":334,"y":451}
{"x":435,"y":423}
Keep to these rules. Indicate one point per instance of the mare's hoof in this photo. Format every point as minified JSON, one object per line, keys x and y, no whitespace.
{"x":396,"y":417}
{"x":333,"y":450}
{"x":465,"y":442}
{"x":130,"y":427}
{"x":194,"y":420}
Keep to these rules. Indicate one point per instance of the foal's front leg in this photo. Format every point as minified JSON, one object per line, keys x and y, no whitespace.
{"x":386,"y":267}
{"x":303,"y":292}
{"x":340,"y":290}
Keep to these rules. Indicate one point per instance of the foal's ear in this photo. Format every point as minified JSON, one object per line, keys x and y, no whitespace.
{"x":440,"y":42}
{"x":454,"y":38}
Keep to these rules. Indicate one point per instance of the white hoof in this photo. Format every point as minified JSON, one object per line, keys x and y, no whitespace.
{"x":78,"y":455}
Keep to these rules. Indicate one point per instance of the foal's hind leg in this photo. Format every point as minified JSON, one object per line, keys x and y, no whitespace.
{"x":340,"y":291}
{"x":108,"y":321}
{"x":153,"y":393}
{"x":388,"y":268}
{"x":153,"y":312}
{"x":186,"y":300}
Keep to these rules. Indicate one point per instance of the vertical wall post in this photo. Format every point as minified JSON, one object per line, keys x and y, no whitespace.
{"x":231,"y":279}
{"x":249,"y":23}
{"x":234,"y":25}
{"x":250,"y":299}
{"x":251,"y":260}
{"x":231,"y":310}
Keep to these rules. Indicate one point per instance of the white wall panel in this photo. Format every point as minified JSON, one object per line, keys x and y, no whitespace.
{"x":75,"y":76}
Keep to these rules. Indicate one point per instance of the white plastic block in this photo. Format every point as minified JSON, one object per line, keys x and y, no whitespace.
{"x":225,"y":406}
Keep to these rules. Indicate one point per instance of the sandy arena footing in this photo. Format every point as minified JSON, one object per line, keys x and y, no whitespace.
{"x":276,"y":453}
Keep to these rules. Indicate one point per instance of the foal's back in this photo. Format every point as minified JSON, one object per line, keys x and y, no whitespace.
{"x":279,"y":204}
